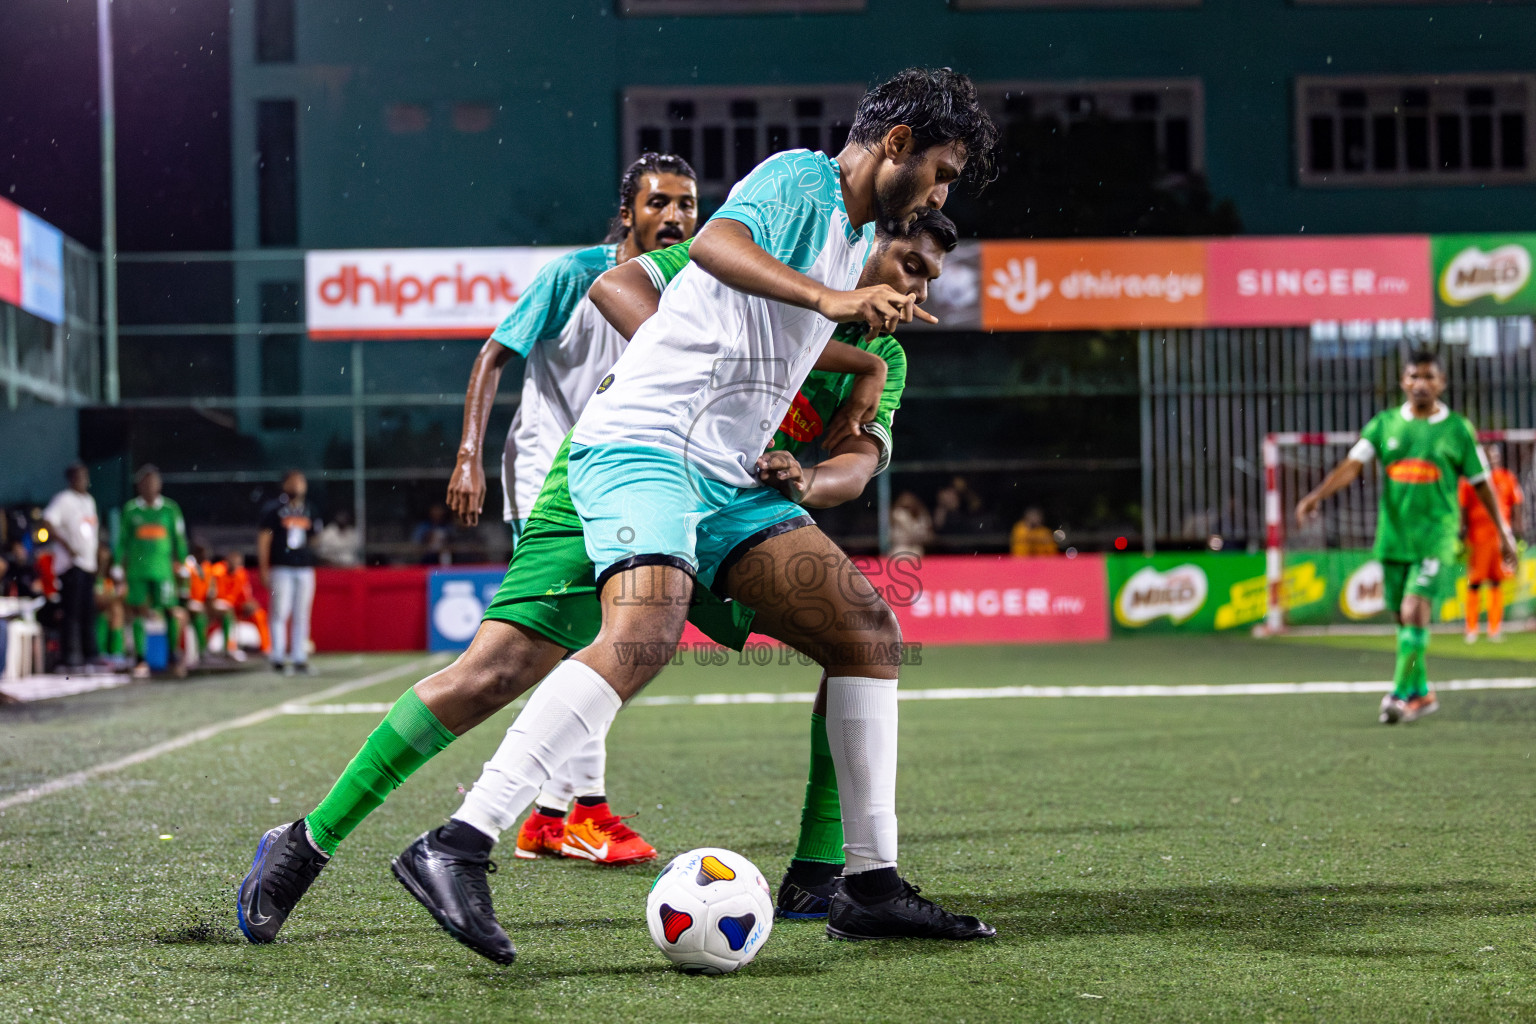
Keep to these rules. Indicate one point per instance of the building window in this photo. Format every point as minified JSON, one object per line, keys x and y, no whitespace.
{"x":725,"y":132}
{"x":274,"y":31}
{"x":406,"y":118}
{"x":1157,"y":123}
{"x":1451,"y":129}
{"x":277,"y":177}
{"x":473,"y":118}
{"x":646,"y":8}
{"x":992,"y":5}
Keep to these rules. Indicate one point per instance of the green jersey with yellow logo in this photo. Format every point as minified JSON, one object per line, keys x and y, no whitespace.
{"x":1422,"y":463}
{"x":152,"y":539}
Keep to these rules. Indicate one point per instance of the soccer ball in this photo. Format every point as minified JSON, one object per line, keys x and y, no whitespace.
{"x":709,"y":911}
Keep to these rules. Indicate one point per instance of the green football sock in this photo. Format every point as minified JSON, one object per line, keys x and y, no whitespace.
{"x":173,"y":637}
{"x":200,"y":631}
{"x":229,"y":626}
{"x":408,"y":738}
{"x":1421,"y":669}
{"x":821,"y":819}
{"x":1408,"y":676}
{"x":138,"y":638}
{"x":114,"y":640}
{"x":103,"y":632}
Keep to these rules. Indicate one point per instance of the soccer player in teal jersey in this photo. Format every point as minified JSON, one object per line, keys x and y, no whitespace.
{"x":547,"y":606}
{"x":568,"y":347}
{"x":665,"y":477}
{"x":1424,"y":449}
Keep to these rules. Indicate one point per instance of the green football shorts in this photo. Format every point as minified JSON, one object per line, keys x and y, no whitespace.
{"x":550,"y":587}
{"x":148,"y":593}
{"x":1423,"y":578}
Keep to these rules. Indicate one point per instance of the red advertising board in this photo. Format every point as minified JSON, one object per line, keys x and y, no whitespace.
{"x":996,"y":599}
{"x":10,"y":253}
{"x":1278,"y":282}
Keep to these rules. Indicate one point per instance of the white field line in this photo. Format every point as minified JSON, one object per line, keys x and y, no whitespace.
{"x":79,"y":778}
{"x":995,"y":692}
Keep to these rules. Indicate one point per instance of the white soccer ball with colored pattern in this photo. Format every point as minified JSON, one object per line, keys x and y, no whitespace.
{"x":709,"y":911}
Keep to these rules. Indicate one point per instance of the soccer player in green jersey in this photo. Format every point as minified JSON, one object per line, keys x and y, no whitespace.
{"x":1424,"y":449}
{"x":548,"y":606}
{"x":151,"y":550}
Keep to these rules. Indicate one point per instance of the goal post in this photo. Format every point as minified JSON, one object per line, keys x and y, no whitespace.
{"x":1295,"y":462}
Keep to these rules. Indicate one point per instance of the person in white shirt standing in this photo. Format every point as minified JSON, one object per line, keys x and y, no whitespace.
{"x":75,"y":530}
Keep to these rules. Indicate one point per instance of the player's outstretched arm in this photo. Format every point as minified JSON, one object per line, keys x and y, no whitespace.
{"x":626,"y":297}
{"x":466,"y":488}
{"x":726,"y":250}
{"x":840,"y":478}
{"x":1344,"y":474}
{"x":1507,"y":548}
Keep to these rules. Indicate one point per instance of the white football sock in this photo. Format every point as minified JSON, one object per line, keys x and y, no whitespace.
{"x":582,"y":775}
{"x":861,"y":730}
{"x":571,"y":705}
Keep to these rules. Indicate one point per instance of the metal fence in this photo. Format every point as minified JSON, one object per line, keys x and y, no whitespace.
{"x":1210,"y":396}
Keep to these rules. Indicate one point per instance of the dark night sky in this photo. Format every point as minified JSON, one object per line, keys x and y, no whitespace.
{"x":172,"y":119}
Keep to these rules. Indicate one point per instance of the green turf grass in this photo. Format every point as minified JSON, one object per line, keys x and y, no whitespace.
{"x":1232,"y":858}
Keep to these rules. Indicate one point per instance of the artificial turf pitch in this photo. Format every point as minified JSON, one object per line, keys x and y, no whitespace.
{"x":1213,"y":858}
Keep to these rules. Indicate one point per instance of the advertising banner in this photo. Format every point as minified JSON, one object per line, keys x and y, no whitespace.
{"x":994,"y":599}
{"x":416,"y":293}
{"x":42,"y":268}
{"x":10,"y":253}
{"x":1090,"y":285}
{"x":1483,"y":275}
{"x":1279,"y":282}
{"x":1186,"y":592}
{"x":456,"y":599}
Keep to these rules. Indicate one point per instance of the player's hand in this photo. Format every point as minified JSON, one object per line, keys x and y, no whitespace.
{"x":879,"y":306}
{"x":466,"y":489}
{"x":859,"y":408}
{"x":1306,"y":510}
{"x":1510,"y":550}
{"x":782,"y":472}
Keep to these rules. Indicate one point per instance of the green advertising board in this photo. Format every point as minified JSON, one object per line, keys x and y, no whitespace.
{"x":1189,"y":592}
{"x":1483,"y":275}
{"x":1205,"y":592}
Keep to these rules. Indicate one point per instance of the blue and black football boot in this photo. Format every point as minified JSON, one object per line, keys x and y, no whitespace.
{"x":285,"y":866}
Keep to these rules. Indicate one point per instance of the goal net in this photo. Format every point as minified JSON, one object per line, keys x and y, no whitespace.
{"x":1321,"y":575}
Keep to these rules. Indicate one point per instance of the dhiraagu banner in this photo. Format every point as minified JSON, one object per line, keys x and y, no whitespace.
{"x":1483,"y":275}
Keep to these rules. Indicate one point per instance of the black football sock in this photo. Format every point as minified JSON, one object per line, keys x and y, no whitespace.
{"x":549,"y":812}
{"x":592,"y":801}
{"x":461,"y":837}
{"x":813,"y":872}
{"x":875,"y":886}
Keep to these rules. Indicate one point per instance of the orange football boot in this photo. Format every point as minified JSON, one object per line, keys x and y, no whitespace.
{"x":596,"y":833}
{"x":541,"y":835}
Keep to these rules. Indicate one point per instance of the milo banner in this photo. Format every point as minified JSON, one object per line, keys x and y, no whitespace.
{"x":1194,"y":592}
{"x":1204,"y":592}
{"x":1483,"y":275}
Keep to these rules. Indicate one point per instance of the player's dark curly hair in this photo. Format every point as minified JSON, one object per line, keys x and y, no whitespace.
{"x":940,"y":106}
{"x":934,"y":224}
{"x":1422,"y":356}
{"x":629,"y":186}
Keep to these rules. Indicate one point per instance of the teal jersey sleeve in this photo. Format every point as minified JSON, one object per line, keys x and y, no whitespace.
{"x":546,"y":305}
{"x":787,"y":202}
{"x":889,"y":349}
{"x":662,"y":265}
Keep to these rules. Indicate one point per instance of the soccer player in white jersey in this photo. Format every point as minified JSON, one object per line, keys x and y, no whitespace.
{"x":568,"y":347}
{"x":664,"y":472}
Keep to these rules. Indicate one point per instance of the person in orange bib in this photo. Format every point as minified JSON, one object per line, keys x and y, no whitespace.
{"x":237,"y":599}
{"x":1485,"y":566}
